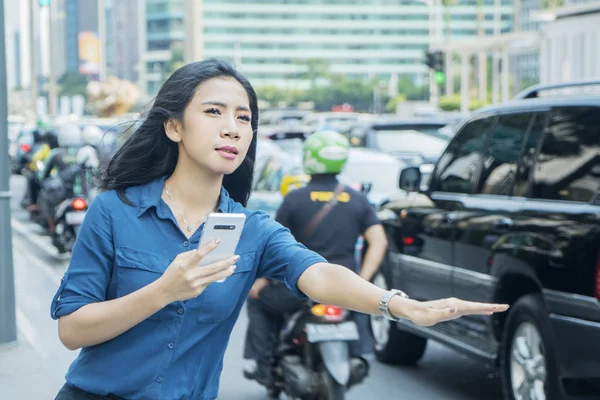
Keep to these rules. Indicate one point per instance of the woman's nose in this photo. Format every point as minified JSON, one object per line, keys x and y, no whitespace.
{"x":231,"y":132}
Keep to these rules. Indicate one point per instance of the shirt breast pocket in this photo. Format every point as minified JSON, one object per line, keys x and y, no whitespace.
{"x":221,"y":298}
{"x":136,"y":269}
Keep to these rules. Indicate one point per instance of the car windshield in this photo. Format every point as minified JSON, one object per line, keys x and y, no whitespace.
{"x":420,"y":141}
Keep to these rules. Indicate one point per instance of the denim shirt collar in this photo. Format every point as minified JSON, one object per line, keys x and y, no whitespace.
{"x":151,"y":196}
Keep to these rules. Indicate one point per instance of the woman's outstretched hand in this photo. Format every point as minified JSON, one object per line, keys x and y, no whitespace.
{"x":427,"y":313}
{"x":184,"y":279}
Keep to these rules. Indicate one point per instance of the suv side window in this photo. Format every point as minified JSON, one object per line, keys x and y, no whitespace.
{"x":525,"y":168}
{"x":568,"y":164}
{"x":503,"y":153}
{"x":458,"y":168}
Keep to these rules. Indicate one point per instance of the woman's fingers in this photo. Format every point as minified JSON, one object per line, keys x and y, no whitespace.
{"x":469,"y":308}
{"x":481,"y":308}
{"x":214,"y":268}
{"x":217,"y":276}
{"x":207,"y":248}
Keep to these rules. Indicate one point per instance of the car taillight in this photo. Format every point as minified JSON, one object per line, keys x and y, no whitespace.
{"x":25,"y":148}
{"x":79,"y":204}
{"x":408,"y":241}
{"x":330,"y":313}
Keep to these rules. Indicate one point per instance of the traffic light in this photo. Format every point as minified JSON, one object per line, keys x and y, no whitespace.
{"x":429,"y":59}
{"x":436,"y":60}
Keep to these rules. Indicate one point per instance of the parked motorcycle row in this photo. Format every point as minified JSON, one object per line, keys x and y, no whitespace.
{"x":61,"y":169}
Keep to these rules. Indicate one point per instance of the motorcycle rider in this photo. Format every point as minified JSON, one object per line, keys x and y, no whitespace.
{"x":332,"y":234}
{"x":62,"y":160}
{"x":87,"y":157}
{"x":40,"y":151}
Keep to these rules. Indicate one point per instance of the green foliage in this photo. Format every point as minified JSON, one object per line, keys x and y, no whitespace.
{"x":176,"y":61}
{"x":408,"y":88}
{"x":392,"y":105}
{"x":72,"y":83}
{"x":328,"y":89}
{"x":452,"y":103}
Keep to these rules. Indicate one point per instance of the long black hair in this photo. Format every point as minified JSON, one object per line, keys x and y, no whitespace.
{"x":149,"y":154}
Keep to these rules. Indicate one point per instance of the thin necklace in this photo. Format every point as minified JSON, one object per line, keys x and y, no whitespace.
{"x":188,"y":226}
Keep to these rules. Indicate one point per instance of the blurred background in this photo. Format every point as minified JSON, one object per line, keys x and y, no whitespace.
{"x":401,"y":79}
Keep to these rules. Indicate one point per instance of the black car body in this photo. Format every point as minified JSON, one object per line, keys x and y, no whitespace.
{"x":511,"y":214}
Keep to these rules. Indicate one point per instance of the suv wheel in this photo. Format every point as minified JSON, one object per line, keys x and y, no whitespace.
{"x":527,"y":361}
{"x":393,"y":346}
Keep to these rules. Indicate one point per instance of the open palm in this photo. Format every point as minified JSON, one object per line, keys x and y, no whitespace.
{"x":432,"y":312}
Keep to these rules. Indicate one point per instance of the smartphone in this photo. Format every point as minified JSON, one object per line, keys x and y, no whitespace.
{"x":226,"y":227}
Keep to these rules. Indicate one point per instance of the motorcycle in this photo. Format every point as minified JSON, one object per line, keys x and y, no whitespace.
{"x":313,"y":360}
{"x":65,"y":208}
{"x":68,"y":218}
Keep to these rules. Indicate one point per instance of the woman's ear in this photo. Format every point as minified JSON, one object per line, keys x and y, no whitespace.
{"x":173,"y":130}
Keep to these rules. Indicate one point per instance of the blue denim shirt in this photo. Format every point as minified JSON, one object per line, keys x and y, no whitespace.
{"x":176,"y":353}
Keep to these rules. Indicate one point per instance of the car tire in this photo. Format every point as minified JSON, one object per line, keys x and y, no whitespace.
{"x":527,"y":352}
{"x":392,"y":345}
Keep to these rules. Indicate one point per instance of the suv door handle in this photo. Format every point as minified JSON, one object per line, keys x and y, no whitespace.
{"x":503,"y":223}
{"x":449,"y":218}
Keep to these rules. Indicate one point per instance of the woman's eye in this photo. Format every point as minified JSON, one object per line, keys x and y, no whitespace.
{"x":245,"y":118}
{"x":214,"y":111}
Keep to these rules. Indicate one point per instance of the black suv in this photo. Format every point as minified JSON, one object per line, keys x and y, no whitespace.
{"x":511,"y":214}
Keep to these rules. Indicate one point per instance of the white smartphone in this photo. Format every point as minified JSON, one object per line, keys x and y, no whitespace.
{"x":228,"y":229}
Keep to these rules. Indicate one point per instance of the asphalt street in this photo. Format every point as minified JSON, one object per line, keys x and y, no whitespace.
{"x":441,"y":375}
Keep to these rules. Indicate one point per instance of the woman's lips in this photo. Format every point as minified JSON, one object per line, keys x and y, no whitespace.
{"x":227,"y":154}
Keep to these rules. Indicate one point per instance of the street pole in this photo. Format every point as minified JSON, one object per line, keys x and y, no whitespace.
{"x":32,"y":52}
{"x":52,"y":91}
{"x":434,"y":5}
{"x":8,"y":325}
{"x":103,"y":37}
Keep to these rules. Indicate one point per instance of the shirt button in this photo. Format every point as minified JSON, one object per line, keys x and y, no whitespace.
{"x":186,"y":243}
{"x":159,"y":379}
{"x":171,"y":345}
{"x":180,"y":310}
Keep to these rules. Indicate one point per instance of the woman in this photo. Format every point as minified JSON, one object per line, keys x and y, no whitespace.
{"x":151,"y":323}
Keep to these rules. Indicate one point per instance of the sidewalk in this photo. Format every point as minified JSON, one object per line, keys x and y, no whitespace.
{"x":24,"y":375}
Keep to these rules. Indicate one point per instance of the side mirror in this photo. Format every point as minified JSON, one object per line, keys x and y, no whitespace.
{"x":410,"y":179}
{"x":366,"y":187}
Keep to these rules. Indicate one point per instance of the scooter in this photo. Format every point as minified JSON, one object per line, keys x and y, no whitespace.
{"x":313,"y":361}
{"x":68,"y":218}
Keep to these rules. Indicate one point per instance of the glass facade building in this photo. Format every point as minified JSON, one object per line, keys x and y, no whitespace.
{"x":270,"y":41}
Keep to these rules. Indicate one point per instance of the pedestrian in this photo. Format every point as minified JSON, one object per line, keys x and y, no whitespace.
{"x":151,"y":323}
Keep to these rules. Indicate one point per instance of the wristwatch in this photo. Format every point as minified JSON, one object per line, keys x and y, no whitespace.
{"x":384,"y":303}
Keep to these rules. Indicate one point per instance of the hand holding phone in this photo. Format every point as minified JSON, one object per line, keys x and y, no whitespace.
{"x":183,"y":279}
{"x":228,"y":229}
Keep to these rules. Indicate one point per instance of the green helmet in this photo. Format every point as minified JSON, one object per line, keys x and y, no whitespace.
{"x":325,"y":152}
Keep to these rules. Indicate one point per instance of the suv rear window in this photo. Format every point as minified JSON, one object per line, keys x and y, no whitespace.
{"x":568,"y":164}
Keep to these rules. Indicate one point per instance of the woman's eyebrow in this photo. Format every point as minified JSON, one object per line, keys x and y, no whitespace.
{"x":221,"y":104}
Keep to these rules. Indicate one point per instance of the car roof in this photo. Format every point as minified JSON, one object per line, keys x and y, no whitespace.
{"x":391,"y":121}
{"x":541,"y":103}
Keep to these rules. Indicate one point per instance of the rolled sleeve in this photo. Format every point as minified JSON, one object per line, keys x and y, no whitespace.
{"x":285,"y":259}
{"x":89,"y":273}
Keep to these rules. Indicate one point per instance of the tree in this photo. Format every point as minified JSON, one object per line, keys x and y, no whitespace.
{"x":316,"y":69}
{"x":72,"y":83}
{"x":176,"y":61}
{"x":411,"y":91}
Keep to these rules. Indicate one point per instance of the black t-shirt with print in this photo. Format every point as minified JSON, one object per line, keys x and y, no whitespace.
{"x":336,"y":235}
